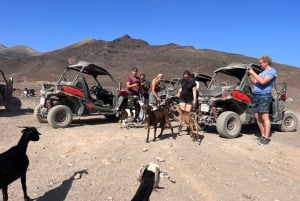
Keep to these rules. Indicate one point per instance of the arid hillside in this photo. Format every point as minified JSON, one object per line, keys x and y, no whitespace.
{"x":119,"y":55}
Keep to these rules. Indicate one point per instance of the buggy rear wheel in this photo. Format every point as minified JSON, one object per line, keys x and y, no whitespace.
{"x":229,"y":125}
{"x":111,"y":117}
{"x":14,"y":104}
{"x":40,"y":116}
{"x":171,"y":105}
{"x":289,"y":122}
{"x":60,"y":116}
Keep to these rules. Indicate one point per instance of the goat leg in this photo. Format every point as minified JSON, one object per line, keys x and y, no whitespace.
{"x":155,"y":127}
{"x":4,"y":193}
{"x":162,"y":127}
{"x":24,"y":187}
{"x":180,"y":127}
{"x":173,"y":134}
{"x":147,"y":138}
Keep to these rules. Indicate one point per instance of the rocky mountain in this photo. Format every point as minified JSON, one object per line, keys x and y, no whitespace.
{"x":16,"y":52}
{"x":120,"y":55}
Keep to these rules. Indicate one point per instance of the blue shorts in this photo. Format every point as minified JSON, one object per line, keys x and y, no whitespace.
{"x":262,"y":103}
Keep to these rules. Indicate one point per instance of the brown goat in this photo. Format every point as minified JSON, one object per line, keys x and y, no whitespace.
{"x":189,"y":119}
{"x":152,"y":118}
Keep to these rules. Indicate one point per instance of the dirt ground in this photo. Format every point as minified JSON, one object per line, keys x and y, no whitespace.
{"x":95,"y":160}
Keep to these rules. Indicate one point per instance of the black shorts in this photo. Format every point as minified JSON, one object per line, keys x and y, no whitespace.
{"x":186,"y":100}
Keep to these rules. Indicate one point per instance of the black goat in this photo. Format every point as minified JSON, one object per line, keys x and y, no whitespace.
{"x":14,"y":162}
{"x":149,"y":178}
{"x":152,"y":118}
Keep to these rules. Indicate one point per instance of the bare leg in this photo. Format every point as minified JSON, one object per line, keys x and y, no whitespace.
{"x":266,"y":125}
{"x":260,"y":123}
{"x":188,"y":107}
{"x":182,"y":106}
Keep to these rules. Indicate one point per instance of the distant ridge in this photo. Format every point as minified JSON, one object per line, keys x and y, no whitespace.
{"x":16,"y":52}
{"x":120,"y":54}
{"x":80,"y":43}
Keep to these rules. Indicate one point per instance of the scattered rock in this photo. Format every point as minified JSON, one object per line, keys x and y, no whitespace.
{"x":116,"y":160}
{"x":159,"y":159}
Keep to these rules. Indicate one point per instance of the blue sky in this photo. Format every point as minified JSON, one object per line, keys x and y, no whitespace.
{"x":248,"y":27}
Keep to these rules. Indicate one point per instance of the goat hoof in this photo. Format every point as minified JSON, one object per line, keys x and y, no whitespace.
{"x":159,"y":136}
{"x":27,"y":199}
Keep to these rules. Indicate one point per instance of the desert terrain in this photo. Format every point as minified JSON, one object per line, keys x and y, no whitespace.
{"x":95,"y":160}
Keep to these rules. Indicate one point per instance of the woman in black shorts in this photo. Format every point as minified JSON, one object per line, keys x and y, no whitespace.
{"x":187,"y":92}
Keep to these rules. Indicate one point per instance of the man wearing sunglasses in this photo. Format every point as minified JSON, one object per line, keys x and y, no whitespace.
{"x":263,"y":84}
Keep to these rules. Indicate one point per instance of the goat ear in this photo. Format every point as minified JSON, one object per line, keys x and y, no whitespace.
{"x":157,"y":178}
{"x":27,"y":127}
{"x":141,"y":173}
{"x":24,"y":128}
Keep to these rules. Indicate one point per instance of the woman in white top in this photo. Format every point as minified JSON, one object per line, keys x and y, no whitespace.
{"x":154,"y":99}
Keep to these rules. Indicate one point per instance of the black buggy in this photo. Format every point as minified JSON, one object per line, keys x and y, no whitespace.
{"x":7,"y":99}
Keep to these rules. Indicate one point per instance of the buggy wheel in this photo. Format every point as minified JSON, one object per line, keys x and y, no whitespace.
{"x":228,"y":124}
{"x":111,"y":117}
{"x":60,"y":116}
{"x":289,"y":122}
{"x":203,"y":127}
{"x":14,"y":104}
{"x":173,"y":113}
{"x":40,"y":116}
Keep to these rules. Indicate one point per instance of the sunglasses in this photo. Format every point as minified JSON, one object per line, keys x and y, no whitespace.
{"x":261,"y":62}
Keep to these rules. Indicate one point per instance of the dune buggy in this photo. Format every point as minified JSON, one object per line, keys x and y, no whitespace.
{"x":227,"y":102}
{"x":79,"y":92}
{"x":7,"y":99}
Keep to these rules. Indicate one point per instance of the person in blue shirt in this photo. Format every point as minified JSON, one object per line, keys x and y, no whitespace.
{"x":262,"y":99}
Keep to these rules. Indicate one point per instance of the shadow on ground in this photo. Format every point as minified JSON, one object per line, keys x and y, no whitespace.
{"x":5,"y":113}
{"x":91,"y":121}
{"x":60,"y":193}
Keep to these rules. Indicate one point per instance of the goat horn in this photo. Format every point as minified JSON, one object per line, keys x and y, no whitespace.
{"x":28,"y":127}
